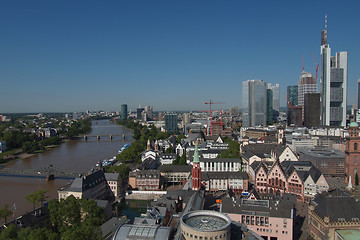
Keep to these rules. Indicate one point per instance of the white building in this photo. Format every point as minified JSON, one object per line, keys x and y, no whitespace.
{"x":333,"y":85}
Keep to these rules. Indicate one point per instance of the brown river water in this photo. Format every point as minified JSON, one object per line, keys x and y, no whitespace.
{"x":76,"y":156}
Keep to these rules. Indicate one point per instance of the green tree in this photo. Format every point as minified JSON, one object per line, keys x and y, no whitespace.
{"x":36,"y":197}
{"x":5,"y":212}
{"x":10,"y":233}
{"x":179,"y":137}
{"x":122,"y":169}
{"x":356,"y":179}
{"x":232,"y":151}
{"x":170,"y":150}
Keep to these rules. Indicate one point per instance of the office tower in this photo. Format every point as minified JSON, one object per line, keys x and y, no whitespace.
{"x":149,"y":113}
{"x":292,"y":95}
{"x":307,"y":84}
{"x":269,"y":114}
{"x":333,"y":84}
{"x":139,"y":110}
{"x":276,"y":95}
{"x":294,"y":116}
{"x":171,"y":122}
{"x":254,"y":95}
{"x":186,"y":118}
{"x":312,"y":110}
{"x":358,"y":100}
{"x":123,"y":111}
{"x":234,"y":111}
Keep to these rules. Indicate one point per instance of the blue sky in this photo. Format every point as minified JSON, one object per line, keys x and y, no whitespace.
{"x":62,"y":56}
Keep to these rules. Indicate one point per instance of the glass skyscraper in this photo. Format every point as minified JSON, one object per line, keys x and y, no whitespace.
{"x":254,"y":95}
{"x":333,"y":85}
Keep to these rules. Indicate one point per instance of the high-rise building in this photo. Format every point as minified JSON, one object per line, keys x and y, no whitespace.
{"x":294,"y":116}
{"x":312,"y":110}
{"x":149,"y":112}
{"x":276,"y":95}
{"x":234,"y":111}
{"x":269,"y":114}
{"x":292,"y":95}
{"x":139,"y":110}
{"x":254,"y":95}
{"x":171,"y":122}
{"x":333,"y":84}
{"x":307,"y":84}
{"x":358,"y":96}
{"x":124,"y":111}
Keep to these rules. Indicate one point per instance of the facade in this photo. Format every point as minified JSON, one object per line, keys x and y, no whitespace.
{"x":330,"y":162}
{"x":352,"y":153}
{"x":312,"y":110}
{"x":269,"y":114}
{"x":139,"y":111}
{"x":292,"y":95}
{"x":205,"y":225}
{"x":295,"y":115}
{"x":114,"y":182}
{"x":92,"y":186}
{"x":142,"y":231}
{"x":124,"y":111}
{"x":276,"y":95}
{"x":306,"y":84}
{"x":145,"y":180}
{"x":196,"y":171}
{"x":333,"y":211}
{"x":171,"y":122}
{"x":299,"y":178}
{"x":270,"y":219}
{"x":333,"y":85}
{"x":175,"y":173}
{"x":254,"y":95}
{"x":222,"y":181}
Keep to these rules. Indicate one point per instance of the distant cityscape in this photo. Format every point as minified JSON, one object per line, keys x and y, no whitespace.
{"x":254,"y":172}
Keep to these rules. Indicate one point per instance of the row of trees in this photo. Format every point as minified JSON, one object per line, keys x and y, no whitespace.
{"x":70,"y":219}
{"x":141,"y":135}
{"x":78,"y":127}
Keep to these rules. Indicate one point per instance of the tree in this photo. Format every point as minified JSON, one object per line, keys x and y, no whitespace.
{"x":122,"y":169}
{"x":76,"y":218}
{"x":356,"y":179}
{"x":10,"y":233}
{"x":36,"y":197}
{"x":170,"y":150}
{"x":5,"y":212}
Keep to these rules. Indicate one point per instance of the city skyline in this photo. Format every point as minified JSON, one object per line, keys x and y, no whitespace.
{"x":88,"y":55}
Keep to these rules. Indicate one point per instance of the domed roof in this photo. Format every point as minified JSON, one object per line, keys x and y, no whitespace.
{"x":354,"y":124}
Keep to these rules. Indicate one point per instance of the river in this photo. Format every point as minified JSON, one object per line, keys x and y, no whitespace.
{"x":75,"y":155}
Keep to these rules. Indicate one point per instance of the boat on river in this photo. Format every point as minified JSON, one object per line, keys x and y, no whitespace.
{"x":124,"y":147}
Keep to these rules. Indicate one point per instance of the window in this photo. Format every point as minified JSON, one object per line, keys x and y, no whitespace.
{"x":355,"y":146}
{"x":355,"y":160}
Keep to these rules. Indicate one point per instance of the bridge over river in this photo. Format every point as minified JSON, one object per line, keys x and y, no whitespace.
{"x":105,"y":136}
{"x":49,"y":173}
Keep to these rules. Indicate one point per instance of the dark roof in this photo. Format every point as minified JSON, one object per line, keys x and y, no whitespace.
{"x":224,"y":175}
{"x":259,"y":149}
{"x":336,"y":204}
{"x":148,"y":174}
{"x":86,"y":182}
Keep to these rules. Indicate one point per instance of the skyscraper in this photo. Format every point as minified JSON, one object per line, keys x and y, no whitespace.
{"x":358,"y":100}
{"x":306,"y":84}
{"x":269,"y":114}
{"x":276,"y":95}
{"x":254,"y":95}
{"x":333,"y":84}
{"x":292,"y":95}
{"x":312,"y":110}
{"x":171,"y":122}
{"x":123,"y":111}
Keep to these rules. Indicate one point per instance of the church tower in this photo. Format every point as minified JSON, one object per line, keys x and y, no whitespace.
{"x":196,"y":171}
{"x":352,"y":153}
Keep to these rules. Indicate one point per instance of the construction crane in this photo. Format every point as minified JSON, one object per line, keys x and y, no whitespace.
{"x":210,"y":117}
{"x":317,"y":67}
